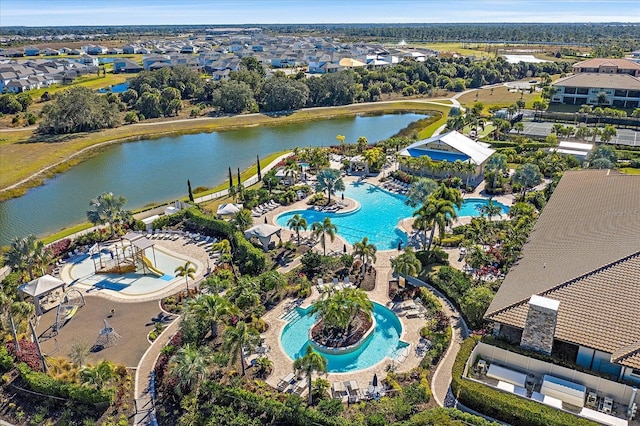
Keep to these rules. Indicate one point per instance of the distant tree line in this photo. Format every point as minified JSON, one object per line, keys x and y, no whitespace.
{"x":160,"y":93}
{"x":595,"y":34}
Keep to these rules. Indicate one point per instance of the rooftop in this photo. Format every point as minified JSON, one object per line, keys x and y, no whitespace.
{"x":584,"y":252}
{"x":461,"y":147}
{"x":600,"y":80}
{"x":599,"y":62}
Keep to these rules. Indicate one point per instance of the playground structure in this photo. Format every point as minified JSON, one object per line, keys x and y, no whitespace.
{"x":114,"y":258}
{"x":107,"y":337}
{"x":70,"y":302}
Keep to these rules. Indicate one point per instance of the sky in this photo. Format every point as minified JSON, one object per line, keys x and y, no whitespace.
{"x":222,"y":12}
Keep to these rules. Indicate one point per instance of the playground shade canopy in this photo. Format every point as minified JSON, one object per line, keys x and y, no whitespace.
{"x":228,"y":209}
{"x":42,"y":285}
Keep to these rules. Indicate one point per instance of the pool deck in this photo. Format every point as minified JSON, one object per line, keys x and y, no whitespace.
{"x":282,"y":364}
{"x":182,"y":249}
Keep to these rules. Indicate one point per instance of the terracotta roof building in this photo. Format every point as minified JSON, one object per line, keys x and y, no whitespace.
{"x":618,"y":80}
{"x":582,"y":264}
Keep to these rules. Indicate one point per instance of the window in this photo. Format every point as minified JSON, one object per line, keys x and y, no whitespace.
{"x":635,"y":372}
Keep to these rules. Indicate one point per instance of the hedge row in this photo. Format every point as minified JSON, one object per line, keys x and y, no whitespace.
{"x":503,"y":406}
{"x":267,"y":409}
{"x":250,"y":259}
{"x":6,"y":360}
{"x":47,"y":385}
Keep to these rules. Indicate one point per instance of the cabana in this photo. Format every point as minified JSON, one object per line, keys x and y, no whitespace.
{"x":357,"y":164}
{"x":228,"y":209}
{"x":39,"y":288}
{"x":263,"y":233}
{"x":506,"y":375}
{"x":564,"y":390}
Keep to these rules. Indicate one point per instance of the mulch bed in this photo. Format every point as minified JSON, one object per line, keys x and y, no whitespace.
{"x":355,"y":332}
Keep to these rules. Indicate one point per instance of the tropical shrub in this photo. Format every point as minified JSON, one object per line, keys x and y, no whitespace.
{"x":6,"y":360}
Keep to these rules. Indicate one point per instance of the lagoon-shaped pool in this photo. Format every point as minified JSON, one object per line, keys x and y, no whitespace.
{"x":385,"y":342}
{"x":377,"y":217}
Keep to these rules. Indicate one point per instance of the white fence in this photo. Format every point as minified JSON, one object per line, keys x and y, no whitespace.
{"x":618,"y":391}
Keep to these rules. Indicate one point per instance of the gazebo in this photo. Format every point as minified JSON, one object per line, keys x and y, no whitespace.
{"x":263,"y":233}
{"x":39,"y":288}
{"x":228,"y":209}
{"x":358,"y":164}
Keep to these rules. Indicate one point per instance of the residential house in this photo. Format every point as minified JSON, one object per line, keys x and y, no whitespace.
{"x":575,"y":291}
{"x":31,"y":51}
{"x":128,"y":49}
{"x":450,"y":147}
{"x":51,"y":52}
{"x":126,"y":66}
{"x":155,"y":60}
{"x":94,"y":49}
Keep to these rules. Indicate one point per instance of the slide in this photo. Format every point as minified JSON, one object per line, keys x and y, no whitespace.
{"x":152,"y":268}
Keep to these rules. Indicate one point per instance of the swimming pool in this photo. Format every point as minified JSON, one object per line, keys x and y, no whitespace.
{"x":377,"y":217}
{"x":385,"y":341}
{"x":130,"y":284}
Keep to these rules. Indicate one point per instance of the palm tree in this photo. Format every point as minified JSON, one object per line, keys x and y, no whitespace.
{"x":243,"y":337}
{"x":311,"y":362}
{"x":490,"y":209}
{"x":243,"y":220}
{"x":419,"y":191}
{"x":291,"y":172}
{"x":361,"y":144}
{"x":365,"y":251}
{"x":329,"y":180}
{"x":438,"y":212}
{"x":450,"y":194}
{"x":189,"y":367}
{"x":341,"y":139}
{"x":107,"y":208}
{"x":375,"y":158}
{"x":187,"y":271}
{"x":468,"y":169}
{"x":224,"y":247}
{"x":264,"y":365}
{"x":99,"y":375}
{"x":407,"y":263}
{"x":296,"y":223}
{"x":527,"y":176}
{"x":339,"y":308}
{"x":497,"y":165}
{"x":323,"y":229}
{"x":211,"y":308}
{"x":28,"y":254}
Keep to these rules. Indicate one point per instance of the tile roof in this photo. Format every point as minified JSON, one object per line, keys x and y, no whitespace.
{"x":598,"y":62}
{"x":584,"y":251}
{"x":600,"y":80}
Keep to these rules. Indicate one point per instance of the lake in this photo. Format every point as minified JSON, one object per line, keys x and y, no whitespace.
{"x":157,"y":170}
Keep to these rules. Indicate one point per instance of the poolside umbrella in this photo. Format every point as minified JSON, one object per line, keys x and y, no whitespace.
{"x":265,"y":219}
{"x":343,"y":196}
{"x":344,"y":248}
{"x":375,"y":380}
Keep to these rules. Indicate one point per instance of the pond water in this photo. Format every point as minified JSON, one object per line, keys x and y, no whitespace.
{"x":116,"y":88}
{"x":157,"y":170}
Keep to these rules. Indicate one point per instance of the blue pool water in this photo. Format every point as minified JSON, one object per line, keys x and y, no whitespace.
{"x":384,"y":343}
{"x":377,"y":218}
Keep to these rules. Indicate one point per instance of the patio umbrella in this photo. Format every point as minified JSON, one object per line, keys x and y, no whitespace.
{"x":265,"y":219}
{"x":375,"y":380}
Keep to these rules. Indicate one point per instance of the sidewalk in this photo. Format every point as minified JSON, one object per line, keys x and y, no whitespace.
{"x":143,"y":393}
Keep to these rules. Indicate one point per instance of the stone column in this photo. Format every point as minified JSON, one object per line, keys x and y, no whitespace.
{"x":540,"y":325}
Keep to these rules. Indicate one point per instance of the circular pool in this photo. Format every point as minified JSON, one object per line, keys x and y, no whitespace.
{"x":384,"y":343}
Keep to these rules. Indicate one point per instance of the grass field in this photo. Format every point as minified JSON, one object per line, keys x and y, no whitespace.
{"x":29,"y":153}
{"x":630,"y":170}
{"x":91,"y":81}
{"x":498,"y":97}
{"x":465,"y":49}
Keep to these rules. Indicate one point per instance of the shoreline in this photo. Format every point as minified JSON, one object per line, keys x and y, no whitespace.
{"x":179,"y":127}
